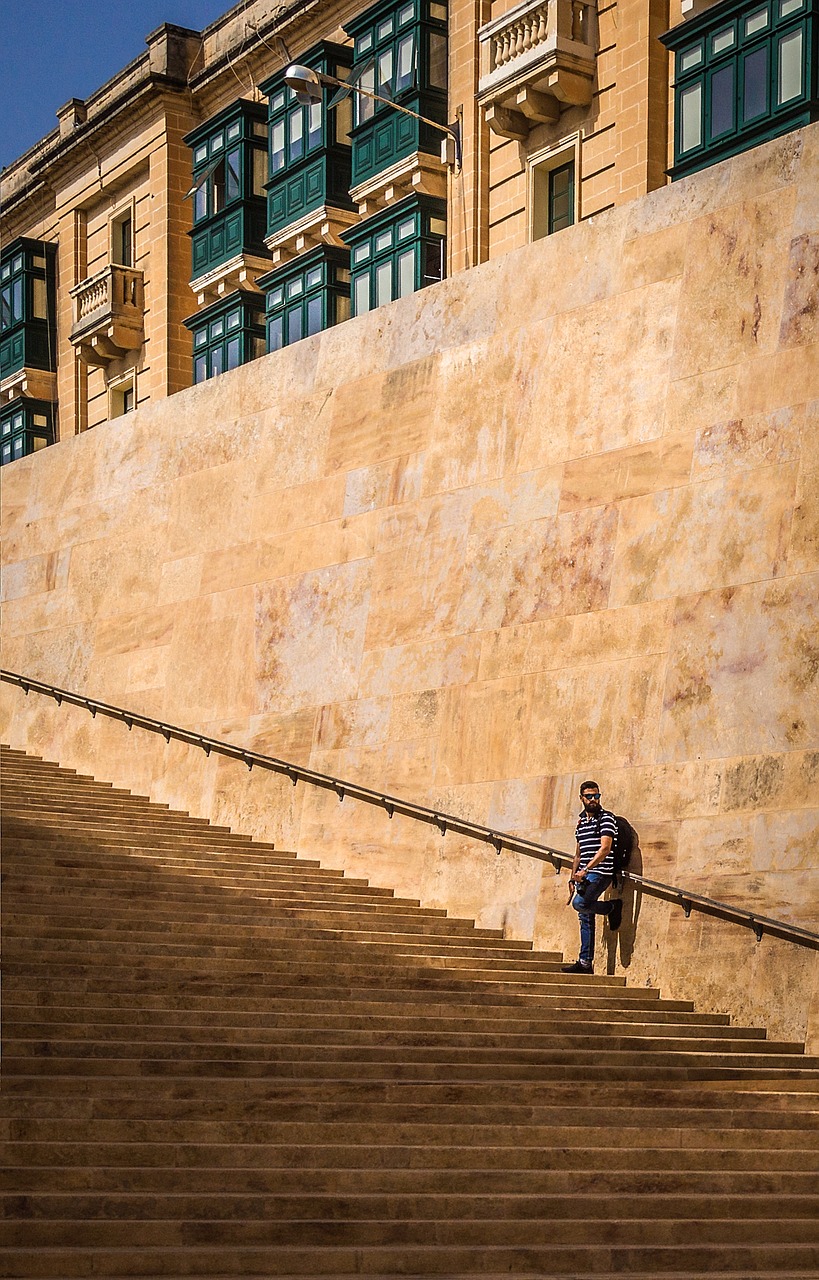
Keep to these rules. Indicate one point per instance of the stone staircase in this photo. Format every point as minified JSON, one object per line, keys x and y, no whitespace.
{"x":219,"y":1060}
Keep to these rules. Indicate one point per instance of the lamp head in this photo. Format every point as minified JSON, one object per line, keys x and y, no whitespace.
{"x":305,"y":83}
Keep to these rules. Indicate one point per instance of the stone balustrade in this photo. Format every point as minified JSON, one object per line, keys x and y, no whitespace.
{"x":536,"y":60}
{"x":108,"y":314}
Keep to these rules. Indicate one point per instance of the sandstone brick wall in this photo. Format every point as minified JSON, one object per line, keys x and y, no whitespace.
{"x":553,"y":518}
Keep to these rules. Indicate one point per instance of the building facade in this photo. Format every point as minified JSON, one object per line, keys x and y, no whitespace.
{"x":195,"y":213}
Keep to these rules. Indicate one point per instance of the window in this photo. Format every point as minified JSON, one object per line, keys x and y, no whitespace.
{"x":228,"y":189}
{"x":306,"y":297}
{"x":744,"y":74}
{"x":228,"y":334}
{"x":398,"y":253}
{"x":27,"y":306}
{"x":553,"y":200}
{"x":401,"y":55}
{"x":122,"y":395}
{"x":309,"y":148}
{"x":122,"y":237}
{"x":26,"y":426}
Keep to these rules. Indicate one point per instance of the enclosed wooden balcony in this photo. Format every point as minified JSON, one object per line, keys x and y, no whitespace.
{"x":537,"y":60}
{"x":108,"y":314}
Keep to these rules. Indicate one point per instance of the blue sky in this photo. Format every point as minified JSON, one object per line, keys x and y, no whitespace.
{"x":53,"y":50}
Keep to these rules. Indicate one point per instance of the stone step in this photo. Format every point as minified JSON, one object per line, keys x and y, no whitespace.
{"x":346,"y":1032}
{"x":104,"y":1103}
{"x":440,"y":1156}
{"x":351,"y":1133}
{"x":504,"y":1208}
{"x":619,"y":1181}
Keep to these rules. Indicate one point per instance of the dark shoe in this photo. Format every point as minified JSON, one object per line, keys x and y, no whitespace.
{"x":577,"y":967}
{"x":616,"y":913}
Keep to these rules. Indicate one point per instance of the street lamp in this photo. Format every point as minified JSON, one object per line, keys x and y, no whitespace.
{"x":309,"y":85}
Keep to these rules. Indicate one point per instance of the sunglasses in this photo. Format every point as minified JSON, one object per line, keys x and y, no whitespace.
{"x":591,"y":795}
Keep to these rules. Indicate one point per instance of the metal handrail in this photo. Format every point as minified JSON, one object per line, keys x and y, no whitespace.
{"x":499,"y":840}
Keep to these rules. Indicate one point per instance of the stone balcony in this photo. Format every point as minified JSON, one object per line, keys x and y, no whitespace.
{"x":536,"y":61}
{"x":108,"y":314}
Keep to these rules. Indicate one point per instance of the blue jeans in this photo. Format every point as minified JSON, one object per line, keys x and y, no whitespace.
{"x":587,"y":907}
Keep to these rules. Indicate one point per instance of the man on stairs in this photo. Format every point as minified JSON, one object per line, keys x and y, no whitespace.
{"x":592,"y":872}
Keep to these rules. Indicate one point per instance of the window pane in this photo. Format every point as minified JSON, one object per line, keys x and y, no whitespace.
{"x":384,"y":29}
{"x":296,"y":126}
{"x":689,"y":59}
{"x":200,"y":338}
{"x":314,"y":125}
{"x":406,"y":14}
{"x":217,"y":328}
{"x":344,"y":120}
{"x":233,"y":180}
{"x":384,"y":71}
{"x":361,"y":293}
{"x":216,"y":361}
{"x":314,"y":278}
{"x":433,"y":262}
{"x":277,"y":146}
{"x":361,"y":253}
{"x":233,"y":349}
{"x":406,"y":229}
{"x":5,"y":308}
{"x":691,"y":117}
{"x":722,"y":100}
{"x":789,"y":84}
{"x":259,"y":171}
{"x":16,"y":300}
{"x":278,"y":102}
{"x":755,"y":97}
{"x":39,"y":299}
{"x":756,"y":21}
{"x":342,"y":308}
{"x":200,"y":368}
{"x":437,"y":60}
{"x":294,"y":330}
{"x":234,"y":319}
{"x":788,"y":7}
{"x":365,"y":107}
{"x":438,"y":226}
{"x":561,"y":197}
{"x":722,"y":40}
{"x":383,"y":241}
{"x":295,"y":288}
{"x":218,"y":188}
{"x":234,"y":131}
{"x":200,"y":203}
{"x":406,"y":274}
{"x":314,"y":316}
{"x":437,"y":11}
{"x":200,"y":155}
{"x":383,"y":284}
{"x":405,"y":64}
{"x":274,"y":334}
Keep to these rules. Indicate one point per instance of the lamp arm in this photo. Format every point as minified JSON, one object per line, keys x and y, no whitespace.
{"x":396,"y":106}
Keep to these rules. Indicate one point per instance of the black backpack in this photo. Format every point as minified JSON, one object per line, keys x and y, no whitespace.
{"x":624,"y":845}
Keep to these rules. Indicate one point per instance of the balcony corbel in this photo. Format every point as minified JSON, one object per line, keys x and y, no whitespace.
{"x":536,"y":61}
{"x":108,"y":314}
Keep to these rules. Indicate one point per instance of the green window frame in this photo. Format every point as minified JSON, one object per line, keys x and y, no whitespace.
{"x":397,"y":253}
{"x":307,"y":297}
{"x":229,"y":159}
{"x":26,"y":426}
{"x":401,"y":53}
{"x":561,"y":197}
{"x":309,"y":148}
{"x":745,"y":71}
{"x":27,"y":306}
{"x":226,"y":335}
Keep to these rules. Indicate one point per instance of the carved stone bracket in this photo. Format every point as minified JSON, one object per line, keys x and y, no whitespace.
{"x":537,"y":60}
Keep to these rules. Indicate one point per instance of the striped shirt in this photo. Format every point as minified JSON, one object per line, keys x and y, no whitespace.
{"x":589,"y":832}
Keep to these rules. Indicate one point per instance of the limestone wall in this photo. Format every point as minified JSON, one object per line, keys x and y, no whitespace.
{"x":551,"y":519}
